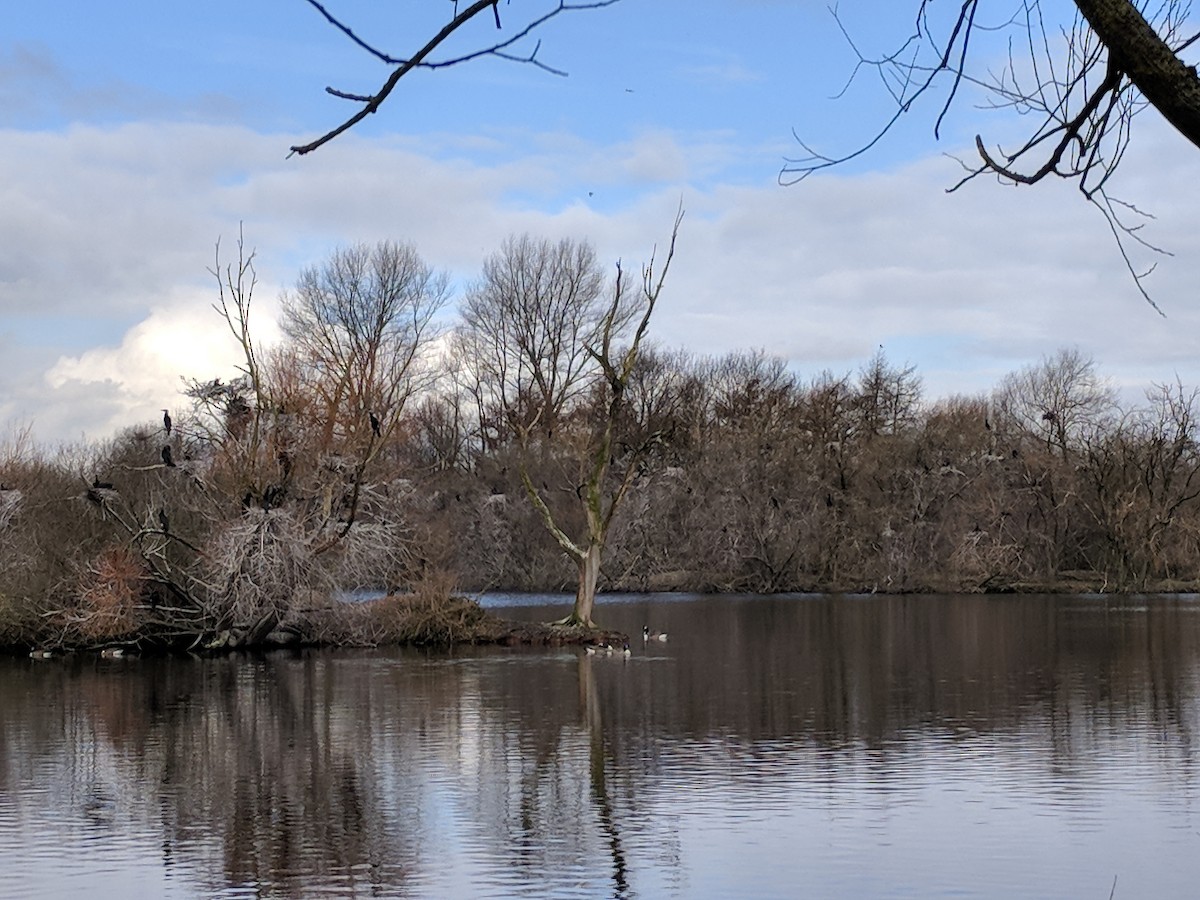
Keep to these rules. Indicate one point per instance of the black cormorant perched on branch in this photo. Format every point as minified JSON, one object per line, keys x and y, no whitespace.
{"x":163,"y":520}
{"x":167,"y":422}
{"x":166,"y":456}
{"x":100,"y":491}
{"x":374,"y":423}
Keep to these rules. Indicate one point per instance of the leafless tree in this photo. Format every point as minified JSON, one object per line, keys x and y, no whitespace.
{"x":546,"y":344}
{"x":1080,"y":84}
{"x":360,"y":325}
{"x":888,"y":396}
{"x":263,"y":512}
{"x":526,"y":327}
{"x":1138,"y":478}
{"x":1058,"y":399}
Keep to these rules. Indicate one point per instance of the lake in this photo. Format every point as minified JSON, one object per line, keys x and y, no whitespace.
{"x":799,"y":746}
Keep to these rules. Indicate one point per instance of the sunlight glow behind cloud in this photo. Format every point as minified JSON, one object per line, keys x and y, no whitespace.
{"x":111,"y":215}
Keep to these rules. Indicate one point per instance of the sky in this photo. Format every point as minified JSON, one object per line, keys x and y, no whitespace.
{"x":135,"y":139}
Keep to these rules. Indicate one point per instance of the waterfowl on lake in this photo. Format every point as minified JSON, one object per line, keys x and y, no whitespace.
{"x":593,"y":649}
{"x":112,"y":652}
{"x":625,"y":651}
{"x":648,"y":635}
{"x":41,"y":654}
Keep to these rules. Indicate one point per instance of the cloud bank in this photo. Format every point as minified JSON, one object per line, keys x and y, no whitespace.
{"x":106,"y":236}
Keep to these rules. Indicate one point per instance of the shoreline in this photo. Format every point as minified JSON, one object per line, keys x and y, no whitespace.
{"x":458,"y":620}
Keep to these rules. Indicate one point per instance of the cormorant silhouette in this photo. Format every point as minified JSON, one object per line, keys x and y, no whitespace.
{"x":95,"y":492}
{"x":166,"y":456}
{"x":374,"y":423}
{"x":163,"y":521}
{"x":167,"y":422}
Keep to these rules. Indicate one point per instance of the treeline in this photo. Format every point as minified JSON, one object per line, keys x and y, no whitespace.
{"x":761,"y":481}
{"x":376,"y":451}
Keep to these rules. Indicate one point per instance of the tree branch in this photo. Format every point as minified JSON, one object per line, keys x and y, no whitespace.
{"x":420,"y":59}
{"x":1171,"y":86}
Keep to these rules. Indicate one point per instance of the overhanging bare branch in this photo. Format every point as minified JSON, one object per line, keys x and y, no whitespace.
{"x":1080,"y":84}
{"x":421,"y":59}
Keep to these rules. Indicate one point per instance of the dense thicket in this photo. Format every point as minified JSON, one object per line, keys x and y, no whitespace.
{"x":760,"y":481}
{"x":361,"y":455}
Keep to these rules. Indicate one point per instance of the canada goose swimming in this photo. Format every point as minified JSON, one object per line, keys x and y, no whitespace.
{"x":648,"y":635}
{"x":41,"y":654}
{"x":625,"y":651}
{"x":112,"y":652}
{"x":593,"y":649}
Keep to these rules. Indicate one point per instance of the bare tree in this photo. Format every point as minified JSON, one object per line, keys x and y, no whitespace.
{"x":546,"y":349}
{"x":1082,"y":90}
{"x":257,"y":511}
{"x":888,"y":396}
{"x":1139,"y":478}
{"x":1080,"y":84}
{"x":600,"y":499}
{"x":526,"y":329}
{"x":360,"y":325}
{"x":1058,"y":399}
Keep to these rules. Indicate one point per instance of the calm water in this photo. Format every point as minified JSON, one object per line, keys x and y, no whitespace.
{"x":785,"y":747}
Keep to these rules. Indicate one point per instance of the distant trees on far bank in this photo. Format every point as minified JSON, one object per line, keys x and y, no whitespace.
{"x":755,"y":480}
{"x":373,"y":450}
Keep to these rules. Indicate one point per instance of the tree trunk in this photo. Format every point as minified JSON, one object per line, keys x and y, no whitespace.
{"x":258,"y":632}
{"x":1171,"y":86}
{"x":585,"y":594}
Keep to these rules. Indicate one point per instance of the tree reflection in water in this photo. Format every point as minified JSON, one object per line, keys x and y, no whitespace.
{"x":816,"y":731}
{"x":598,"y":761}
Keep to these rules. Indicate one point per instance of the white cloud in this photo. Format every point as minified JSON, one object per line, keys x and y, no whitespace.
{"x":119,"y":224}
{"x":184,"y":338}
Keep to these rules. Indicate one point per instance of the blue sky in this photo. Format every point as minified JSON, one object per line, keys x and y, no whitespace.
{"x":131,"y":140}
